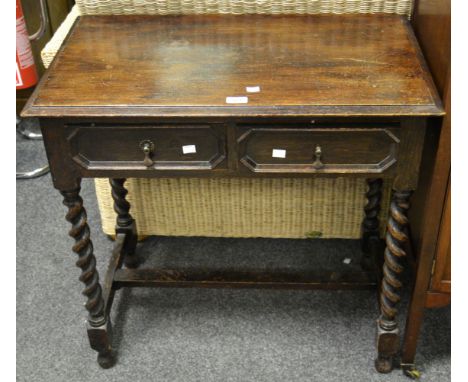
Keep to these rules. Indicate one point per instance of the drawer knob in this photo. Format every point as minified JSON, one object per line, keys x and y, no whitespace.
{"x":147,"y":147}
{"x":318,"y":156}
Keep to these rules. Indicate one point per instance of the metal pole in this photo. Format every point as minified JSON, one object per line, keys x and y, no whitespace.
{"x":24,"y":132}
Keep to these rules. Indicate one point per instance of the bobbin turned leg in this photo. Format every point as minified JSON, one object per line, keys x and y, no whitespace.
{"x":98,"y":324}
{"x":370,"y":225}
{"x":125,"y":223}
{"x":388,"y":340}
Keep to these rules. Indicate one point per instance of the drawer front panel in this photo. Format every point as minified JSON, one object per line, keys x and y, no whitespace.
{"x":200,"y":147}
{"x":327,"y":150}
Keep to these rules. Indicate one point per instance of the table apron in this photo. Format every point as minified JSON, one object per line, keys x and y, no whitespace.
{"x":218,"y":149}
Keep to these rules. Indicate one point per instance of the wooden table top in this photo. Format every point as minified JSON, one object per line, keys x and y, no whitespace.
{"x":317,"y":65}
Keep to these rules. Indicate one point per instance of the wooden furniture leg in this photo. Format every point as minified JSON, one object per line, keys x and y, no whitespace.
{"x":370,"y":225}
{"x":387,"y":327}
{"x":98,"y":323}
{"x":125,"y":223}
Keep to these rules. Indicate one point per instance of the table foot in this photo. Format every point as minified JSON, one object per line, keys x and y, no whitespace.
{"x":131,"y":259}
{"x":388,"y":343}
{"x":106,"y":360}
{"x":384,"y":364}
{"x":100,"y":339}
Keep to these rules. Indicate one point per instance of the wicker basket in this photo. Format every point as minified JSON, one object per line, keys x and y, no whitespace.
{"x":294,"y":208}
{"x":289,"y":208}
{"x":167,"y":7}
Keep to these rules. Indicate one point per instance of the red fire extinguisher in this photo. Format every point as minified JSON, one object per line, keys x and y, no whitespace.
{"x":26,"y":74}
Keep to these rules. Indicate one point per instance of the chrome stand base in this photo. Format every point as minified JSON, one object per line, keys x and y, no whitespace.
{"x":33,"y":174}
{"x":22,"y":129}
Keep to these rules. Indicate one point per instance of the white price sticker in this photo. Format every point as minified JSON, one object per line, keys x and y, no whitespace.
{"x":278,"y":153}
{"x":252,"y":89}
{"x":237,"y":99}
{"x":189,"y":149}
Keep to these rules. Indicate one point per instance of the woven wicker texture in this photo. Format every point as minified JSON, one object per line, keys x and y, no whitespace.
{"x":54,"y":44}
{"x":166,"y":7}
{"x":292,"y":208}
{"x":289,"y":208}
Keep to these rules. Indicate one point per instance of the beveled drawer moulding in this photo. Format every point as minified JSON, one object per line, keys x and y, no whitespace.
{"x":308,"y":150}
{"x":170,"y":147}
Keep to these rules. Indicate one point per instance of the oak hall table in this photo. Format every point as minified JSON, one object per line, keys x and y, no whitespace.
{"x":235,"y":96}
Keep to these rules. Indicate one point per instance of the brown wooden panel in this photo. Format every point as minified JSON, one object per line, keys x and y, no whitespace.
{"x":437,"y":299}
{"x":173,"y":147}
{"x":188,"y":65}
{"x":432,"y":20}
{"x":441,"y":278}
{"x":331,"y":150}
{"x":428,"y":201}
{"x":427,"y":214}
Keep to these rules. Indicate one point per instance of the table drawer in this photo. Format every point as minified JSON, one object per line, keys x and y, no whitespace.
{"x":172,"y":147}
{"x":322,"y":150}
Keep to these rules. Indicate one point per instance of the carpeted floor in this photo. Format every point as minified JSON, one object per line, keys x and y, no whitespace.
{"x":194,"y":334}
